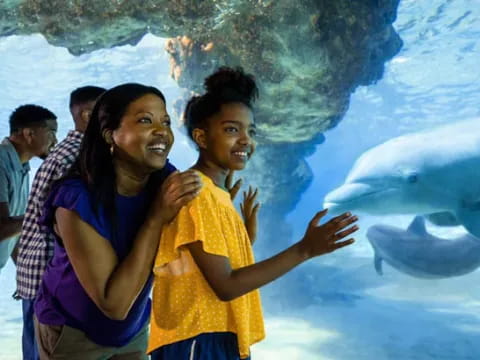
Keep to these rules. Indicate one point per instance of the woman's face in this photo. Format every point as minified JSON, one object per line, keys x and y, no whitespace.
{"x":144,"y":138}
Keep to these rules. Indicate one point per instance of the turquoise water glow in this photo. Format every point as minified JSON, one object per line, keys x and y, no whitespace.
{"x":354,"y":313}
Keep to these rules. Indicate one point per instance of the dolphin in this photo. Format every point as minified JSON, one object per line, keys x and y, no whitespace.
{"x":417,"y":253}
{"x":434,"y":172}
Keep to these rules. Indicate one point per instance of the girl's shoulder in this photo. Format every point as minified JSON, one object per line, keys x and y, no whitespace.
{"x":211,"y":192}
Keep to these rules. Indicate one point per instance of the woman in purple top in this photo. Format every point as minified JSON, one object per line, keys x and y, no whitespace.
{"x":107,"y":216}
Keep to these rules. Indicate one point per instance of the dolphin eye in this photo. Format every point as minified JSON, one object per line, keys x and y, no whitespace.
{"x":412,"y":178}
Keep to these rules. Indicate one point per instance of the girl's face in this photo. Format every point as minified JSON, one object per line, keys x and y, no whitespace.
{"x":229,"y":137}
{"x":144,"y":138}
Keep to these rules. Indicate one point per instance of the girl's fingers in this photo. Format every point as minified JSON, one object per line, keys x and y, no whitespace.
{"x":317,"y":217}
{"x":340,"y":218}
{"x":344,"y":233}
{"x":238,"y":184}
{"x":342,"y":244}
{"x":229,"y":179}
{"x":346,"y":222}
{"x":247,"y":208}
{"x":251,"y":195}
{"x":254,"y":195}
{"x":235,"y":189}
{"x":255,"y":209}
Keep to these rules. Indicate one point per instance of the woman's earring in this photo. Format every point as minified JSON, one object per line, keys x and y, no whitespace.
{"x":112,"y":148}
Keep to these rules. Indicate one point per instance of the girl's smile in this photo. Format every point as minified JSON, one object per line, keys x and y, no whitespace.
{"x":226,"y":142}
{"x":229,"y":137}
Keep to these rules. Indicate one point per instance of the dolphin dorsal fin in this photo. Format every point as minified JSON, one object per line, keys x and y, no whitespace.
{"x":418,"y":226}
{"x":377,"y":262}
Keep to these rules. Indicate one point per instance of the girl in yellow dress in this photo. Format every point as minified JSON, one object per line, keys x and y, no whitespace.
{"x":206,"y":303}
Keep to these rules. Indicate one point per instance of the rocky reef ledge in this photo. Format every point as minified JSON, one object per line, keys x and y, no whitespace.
{"x":309,"y":55}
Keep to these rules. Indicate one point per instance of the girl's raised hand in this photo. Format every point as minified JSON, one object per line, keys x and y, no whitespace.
{"x":232,"y":189}
{"x":326,"y":238}
{"x":249,"y":208}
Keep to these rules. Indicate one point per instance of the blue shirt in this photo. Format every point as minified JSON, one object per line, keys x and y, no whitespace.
{"x":14,"y":186}
{"x":61,"y":299}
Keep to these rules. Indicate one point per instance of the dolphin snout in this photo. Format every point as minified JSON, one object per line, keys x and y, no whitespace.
{"x":343,"y":198}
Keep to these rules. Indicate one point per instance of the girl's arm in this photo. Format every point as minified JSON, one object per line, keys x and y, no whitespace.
{"x":229,"y":284}
{"x":112,"y":285}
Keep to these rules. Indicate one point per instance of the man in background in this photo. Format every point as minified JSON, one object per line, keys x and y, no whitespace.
{"x":32,"y":134}
{"x":35,"y":247}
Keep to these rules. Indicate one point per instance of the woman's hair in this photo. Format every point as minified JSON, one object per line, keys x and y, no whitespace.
{"x":225,"y":86}
{"x":95,"y":163}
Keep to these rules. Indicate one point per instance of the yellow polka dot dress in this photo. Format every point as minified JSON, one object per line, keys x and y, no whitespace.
{"x":184,"y":305}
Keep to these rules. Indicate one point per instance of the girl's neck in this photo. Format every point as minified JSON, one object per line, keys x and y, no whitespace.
{"x":213,"y":171}
{"x":129,"y":183}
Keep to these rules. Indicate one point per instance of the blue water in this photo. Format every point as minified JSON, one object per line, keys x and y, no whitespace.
{"x":354,"y":314}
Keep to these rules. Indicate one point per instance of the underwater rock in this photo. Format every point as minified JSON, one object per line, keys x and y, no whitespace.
{"x":308,"y":55}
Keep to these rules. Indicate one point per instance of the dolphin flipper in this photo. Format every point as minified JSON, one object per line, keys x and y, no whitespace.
{"x":377,"y":261}
{"x":469,"y":218}
{"x":444,"y":218}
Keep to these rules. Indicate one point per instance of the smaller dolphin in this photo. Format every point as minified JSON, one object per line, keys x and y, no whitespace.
{"x":417,"y":253}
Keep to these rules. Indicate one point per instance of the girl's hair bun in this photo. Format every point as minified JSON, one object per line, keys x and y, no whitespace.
{"x":224,"y":86}
{"x":232,"y":83}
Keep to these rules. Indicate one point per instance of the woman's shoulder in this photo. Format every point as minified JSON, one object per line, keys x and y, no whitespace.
{"x":74,"y":185}
{"x":70,"y":193}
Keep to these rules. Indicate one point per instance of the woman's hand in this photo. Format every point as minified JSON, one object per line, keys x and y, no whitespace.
{"x":323,"y":239}
{"x":177,"y":190}
{"x":249,"y":208}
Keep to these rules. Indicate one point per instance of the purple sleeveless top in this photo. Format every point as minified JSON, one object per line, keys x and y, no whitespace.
{"x":61,"y":299}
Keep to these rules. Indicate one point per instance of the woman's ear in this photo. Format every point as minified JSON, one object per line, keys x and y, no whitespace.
{"x":107,"y":135}
{"x":199,"y":137}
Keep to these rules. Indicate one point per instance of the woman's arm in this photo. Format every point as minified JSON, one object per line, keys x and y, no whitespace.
{"x":111,"y":284}
{"x":229,"y":284}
